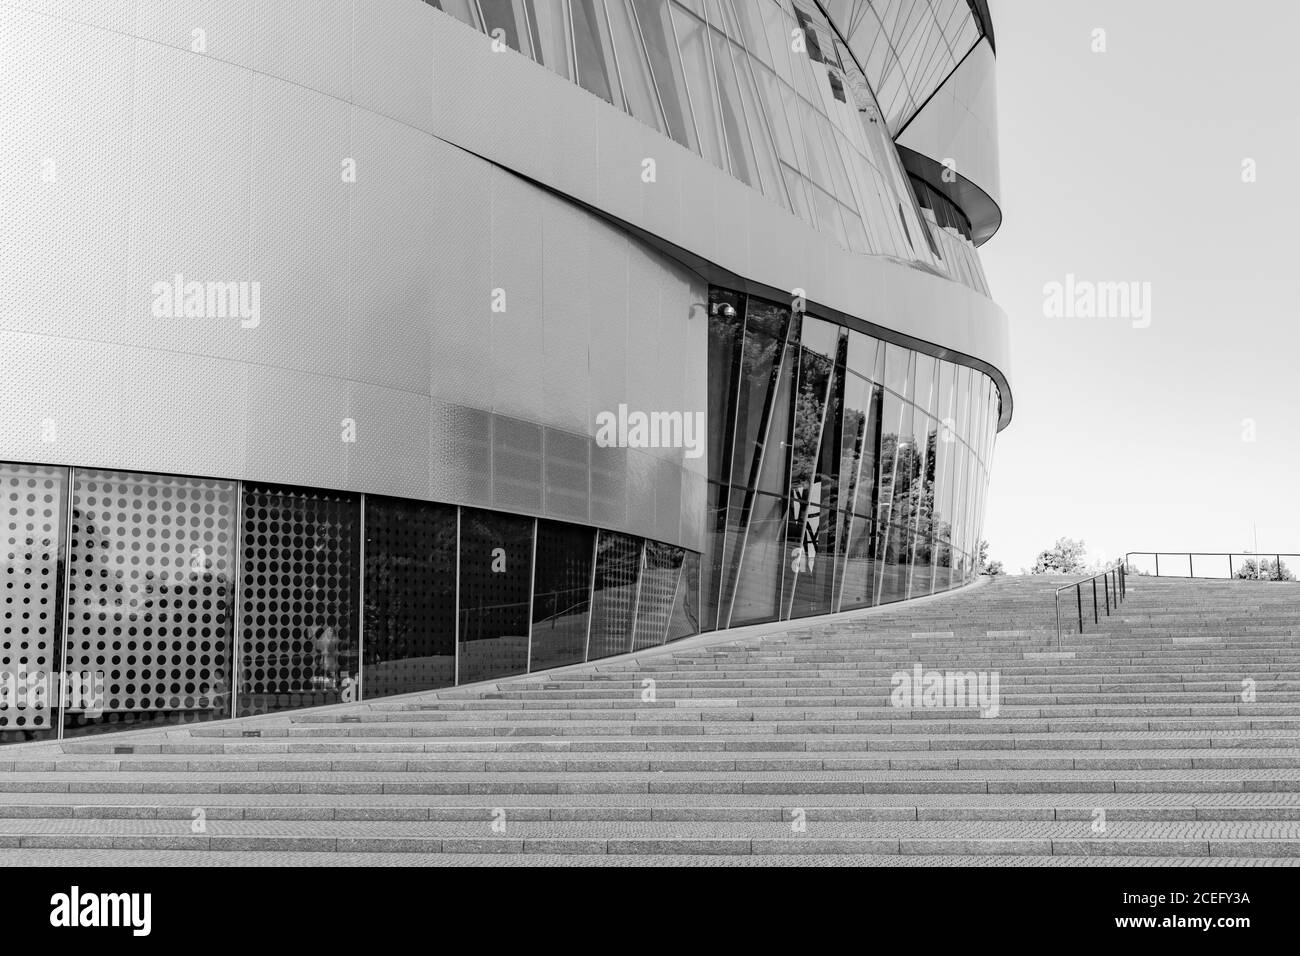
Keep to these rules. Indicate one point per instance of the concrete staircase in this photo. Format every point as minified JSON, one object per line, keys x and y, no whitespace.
{"x":1133,"y":743}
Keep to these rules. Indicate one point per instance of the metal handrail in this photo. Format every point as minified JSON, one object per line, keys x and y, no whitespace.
{"x":1191,"y":568}
{"x":1119,"y":588}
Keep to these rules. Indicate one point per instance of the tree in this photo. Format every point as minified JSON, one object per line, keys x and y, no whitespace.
{"x":985,"y":565}
{"x":1067,"y":556}
{"x":1253,"y":570}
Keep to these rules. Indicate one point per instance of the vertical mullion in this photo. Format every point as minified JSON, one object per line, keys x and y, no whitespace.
{"x":591,"y":593}
{"x":62,"y":630}
{"x":636,"y":601}
{"x":237,"y":600}
{"x":532,"y":600}
{"x":361,"y":602}
{"x":456,"y":631}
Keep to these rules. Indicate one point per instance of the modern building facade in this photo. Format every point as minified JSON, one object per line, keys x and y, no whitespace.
{"x":353,"y":348}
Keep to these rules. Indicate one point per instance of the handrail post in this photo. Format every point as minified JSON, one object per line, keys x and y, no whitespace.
{"x":1078,"y":596}
{"x":1191,"y":571}
{"x":1157,"y":564}
{"x":1057,"y":596}
{"x":1229,"y":567}
{"x":1105,"y":583}
{"x":1095,"y":618}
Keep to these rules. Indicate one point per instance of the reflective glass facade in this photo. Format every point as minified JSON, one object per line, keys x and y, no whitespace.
{"x":764,"y":89}
{"x":907,"y":48}
{"x":129,"y":599}
{"x":844,"y":471}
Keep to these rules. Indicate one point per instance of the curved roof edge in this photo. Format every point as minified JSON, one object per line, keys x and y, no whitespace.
{"x":981,"y":209}
{"x":981,"y":10}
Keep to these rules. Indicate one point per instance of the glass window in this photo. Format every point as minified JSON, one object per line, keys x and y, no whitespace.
{"x":33,"y":499}
{"x":715,"y":548}
{"x":810,"y":494}
{"x":656,"y":25}
{"x":661,"y":568}
{"x":298,"y":580}
{"x":726,"y":349}
{"x":561,"y":594}
{"x":633,"y":66}
{"x":759,"y":583}
{"x":150,"y":599}
{"x":760,"y":133}
{"x":552,"y":46}
{"x":509,"y":17}
{"x":464,"y":10}
{"x":618,"y":564}
{"x":597,"y":71}
{"x":686,"y":607}
{"x":410,"y":597}
{"x":739,"y":147}
{"x":496,"y":569}
{"x":692,"y":36}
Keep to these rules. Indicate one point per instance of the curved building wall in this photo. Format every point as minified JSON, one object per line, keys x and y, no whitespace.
{"x":314,"y":317}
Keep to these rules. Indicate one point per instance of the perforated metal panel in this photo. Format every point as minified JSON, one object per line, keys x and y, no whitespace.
{"x":32,"y":503}
{"x":149,"y":600}
{"x":660,"y":570}
{"x":614,"y":601}
{"x":299,"y":581}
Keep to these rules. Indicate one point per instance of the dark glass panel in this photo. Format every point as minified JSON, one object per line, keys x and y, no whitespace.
{"x":763,"y":349}
{"x":496,"y":569}
{"x":661,"y":568}
{"x":618,"y":562}
{"x":815,"y":581}
{"x":858,"y":574}
{"x":686,"y":608}
{"x":32,"y":562}
{"x":808,"y":496}
{"x":561,"y":594}
{"x":298,"y":581}
{"x":410,"y":597}
{"x":726,"y":350}
{"x":774,"y":474}
{"x":764,"y":340}
{"x":715,"y":536}
{"x":759,"y":583}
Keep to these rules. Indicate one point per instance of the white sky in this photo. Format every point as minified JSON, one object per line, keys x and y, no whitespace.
{"x":1127,"y":166}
